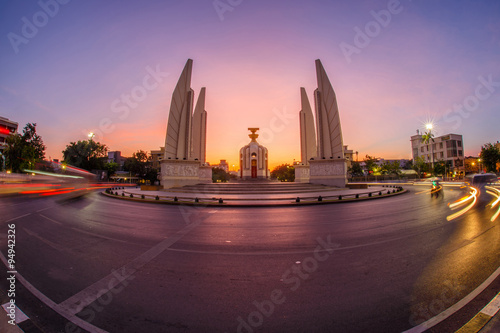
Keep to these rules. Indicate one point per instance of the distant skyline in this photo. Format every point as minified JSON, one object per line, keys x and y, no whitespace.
{"x":110,"y":67}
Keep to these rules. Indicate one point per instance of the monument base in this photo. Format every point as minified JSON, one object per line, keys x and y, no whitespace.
{"x":177,"y":173}
{"x":328,"y":172}
{"x":301,"y":173}
{"x":205,"y":173}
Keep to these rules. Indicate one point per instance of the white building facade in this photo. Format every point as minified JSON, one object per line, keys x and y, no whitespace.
{"x":7,"y":128}
{"x":448,"y":148}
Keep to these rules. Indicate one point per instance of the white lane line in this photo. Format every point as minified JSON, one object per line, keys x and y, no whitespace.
{"x":45,"y":241}
{"x":90,"y":233}
{"x":66,"y":314}
{"x":77,"y":302}
{"x":41,"y":210}
{"x":104,"y":237}
{"x":48,"y":218}
{"x":17,"y":218}
{"x":20,"y":316}
{"x":455,"y":307}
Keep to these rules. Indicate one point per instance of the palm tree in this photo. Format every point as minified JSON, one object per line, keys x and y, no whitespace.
{"x":426,"y":138}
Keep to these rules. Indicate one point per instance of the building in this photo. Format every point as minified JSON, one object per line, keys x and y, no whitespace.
{"x":116,"y":157}
{"x":448,"y":148}
{"x":223,"y":165}
{"x":349,"y":156}
{"x":254,"y":159}
{"x":7,"y":128}
{"x":156,"y":157}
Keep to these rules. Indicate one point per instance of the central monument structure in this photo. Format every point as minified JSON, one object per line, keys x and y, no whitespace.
{"x":185,"y":142}
{"x":321,"y":143}
{"x":253,"y":159}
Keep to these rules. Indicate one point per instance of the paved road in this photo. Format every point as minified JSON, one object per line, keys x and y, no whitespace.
{"x":375,"y":266}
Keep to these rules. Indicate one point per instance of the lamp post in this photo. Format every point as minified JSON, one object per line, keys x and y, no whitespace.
{"x":429,"y":133}
{"x":480,"y":170}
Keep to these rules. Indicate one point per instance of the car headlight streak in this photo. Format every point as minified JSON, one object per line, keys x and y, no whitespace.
{"x":471,"y":197}
{"x":496,"y":193}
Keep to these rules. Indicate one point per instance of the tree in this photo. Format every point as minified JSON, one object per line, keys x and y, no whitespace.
{"x":24,"y":151}
{"x":426,"y":138}
{"x":140,"y":165}
{"x":440,"y":168}
{"x":111,"y":168}
{"x":88,"y":154}
{"x":355,"y":169}
{"x":284,"y":173}
{"x":420,"y":166}
{"x":408,"y":165}
{"x":371,"y":164}
{"x":219,"y":175}
{"x":490,"y":156}
{"x":391,"y":168}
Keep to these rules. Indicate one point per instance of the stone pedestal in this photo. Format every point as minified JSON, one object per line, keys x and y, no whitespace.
{"x":328,"y":172}
{"x":205,"y":173}
{"x":301,"y":173}
{"x":176,"y":173}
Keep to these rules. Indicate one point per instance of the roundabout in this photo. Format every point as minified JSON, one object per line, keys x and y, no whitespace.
{"x":106,"y":265}
{"x":255,"y":194}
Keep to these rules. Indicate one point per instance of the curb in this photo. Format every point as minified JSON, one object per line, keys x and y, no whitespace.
{"x":216,"y":204}
{"x":483,"y":317}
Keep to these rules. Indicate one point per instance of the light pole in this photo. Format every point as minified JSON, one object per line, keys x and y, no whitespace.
{"x":91,"y":135}
{"x":480,"y":170}
{"x":429,"y":128}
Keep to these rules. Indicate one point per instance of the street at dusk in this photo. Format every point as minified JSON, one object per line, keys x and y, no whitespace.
{"x":249,"y":166}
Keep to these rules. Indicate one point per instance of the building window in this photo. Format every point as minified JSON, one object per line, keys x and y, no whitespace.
{"x":440,"y":145}
{"x":441,"y":154}
{"x":459,"y":144}
{"x":460,"y":153}
{"x":422,"y":149}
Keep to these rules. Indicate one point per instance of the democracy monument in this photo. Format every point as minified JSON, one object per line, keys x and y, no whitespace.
{"x":321,"y":143}
{"x":185,"y":141}
{"x":322,"y":154}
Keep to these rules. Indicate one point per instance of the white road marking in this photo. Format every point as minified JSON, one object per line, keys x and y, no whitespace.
{"x":455,"y":307}
{"x":103,"y":237}
{"x":41,"y":210}
{"x":52,"y":220}
{"x":17,"y":218}
{"x":20,"y":316}
{"x":45,"y":241}
{"x":69,"y":316}
{"x":493,"y":307}
{"x":77,"y":302}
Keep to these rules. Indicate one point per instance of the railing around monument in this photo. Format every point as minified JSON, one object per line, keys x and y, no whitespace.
{"x":304,"y":199}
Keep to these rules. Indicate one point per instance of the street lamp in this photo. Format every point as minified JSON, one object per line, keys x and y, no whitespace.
{"x":429,"y":126}
{"x":479,"y":165}
{"x":91,"y":135}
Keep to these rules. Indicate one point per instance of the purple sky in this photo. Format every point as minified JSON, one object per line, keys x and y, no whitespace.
{"x":420,"y":61}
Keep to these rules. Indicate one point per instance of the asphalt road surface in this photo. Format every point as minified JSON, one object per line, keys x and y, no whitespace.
{"x":382,"y":265}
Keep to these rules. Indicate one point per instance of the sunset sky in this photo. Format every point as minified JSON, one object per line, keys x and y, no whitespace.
{"x":393,"y":65}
